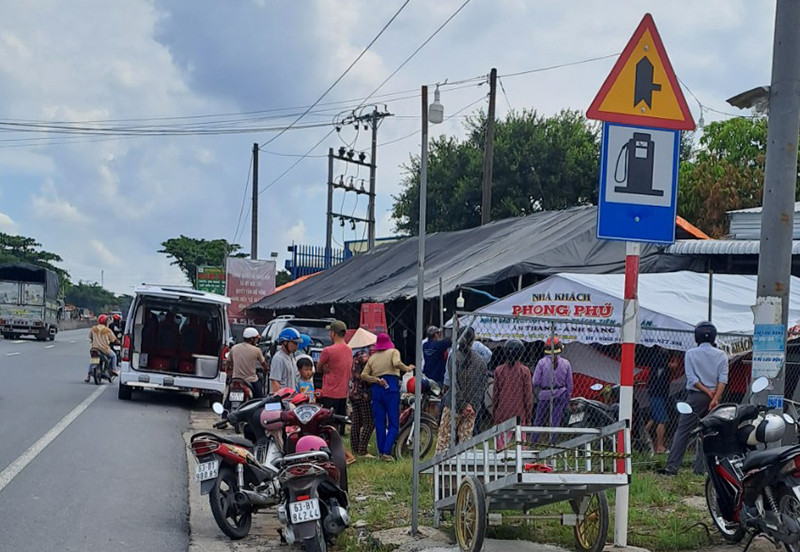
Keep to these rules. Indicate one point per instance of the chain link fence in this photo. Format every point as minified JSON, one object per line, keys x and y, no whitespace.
{"x":505,"y":367}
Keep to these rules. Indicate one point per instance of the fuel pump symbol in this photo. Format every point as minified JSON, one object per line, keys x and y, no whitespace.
{"x":638,"y":169}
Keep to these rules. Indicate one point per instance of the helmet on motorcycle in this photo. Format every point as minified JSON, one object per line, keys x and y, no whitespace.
{"x":705,"y":332}
{"x":308,"y":443}
{"x":412,"y":382}
{"x":102,"y":319}
{"x":513,"y":350}
{"x":552,"y":345}
{"x":305,"y":341}
{"x":250,"y":333}
{"x":290,"y":335}
{"x":270,"y":419}
{"x":117,"y":318}
{"x":768,"y":429}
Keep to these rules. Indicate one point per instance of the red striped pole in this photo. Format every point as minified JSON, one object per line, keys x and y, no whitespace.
{"x":630,"y":326}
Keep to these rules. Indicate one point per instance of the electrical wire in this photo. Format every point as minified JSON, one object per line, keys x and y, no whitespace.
{"x":244,"y":199}
{"x":503,"y":88}
{"x":363,"y":52}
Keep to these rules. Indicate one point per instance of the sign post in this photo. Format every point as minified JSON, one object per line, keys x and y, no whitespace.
{"x":643,"y":110}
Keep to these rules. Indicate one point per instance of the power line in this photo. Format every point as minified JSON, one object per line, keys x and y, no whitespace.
{"x":364,"y":51}
{"x":244,"y":199}
{"x":503,"y":88}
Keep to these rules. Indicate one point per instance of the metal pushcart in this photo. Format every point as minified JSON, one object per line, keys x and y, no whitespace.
{"x":513,"y":467}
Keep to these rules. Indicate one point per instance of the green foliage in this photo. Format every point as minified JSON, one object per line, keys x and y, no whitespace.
{"x":725,"y":173}
{"x":540,"y":163}
{"x":14,"y":249}
{"x":282,"y":277}
{"x":189,"y":253}
{"x":96,"y":298}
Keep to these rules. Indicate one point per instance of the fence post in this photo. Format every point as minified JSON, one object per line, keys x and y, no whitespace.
{"x":453,"y":385}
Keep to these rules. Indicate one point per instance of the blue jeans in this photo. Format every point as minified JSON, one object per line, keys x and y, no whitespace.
{"x":386,"y":408}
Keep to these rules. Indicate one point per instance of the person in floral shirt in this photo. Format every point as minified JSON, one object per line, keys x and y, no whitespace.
{"x":361,"y":402}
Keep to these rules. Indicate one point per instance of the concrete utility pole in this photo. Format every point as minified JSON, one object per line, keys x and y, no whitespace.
{"x":775,"y":259}
{"x":329,"y":227}
{"x":372,"y":169}
{"x":254,"y":223}
{"x":488,"y":152}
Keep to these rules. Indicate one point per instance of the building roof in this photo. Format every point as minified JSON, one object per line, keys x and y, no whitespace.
{"x":759,"y":209}
{"x":543,"y":243}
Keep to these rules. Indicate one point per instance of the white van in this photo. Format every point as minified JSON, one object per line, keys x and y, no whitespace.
{"x":175,"y":339}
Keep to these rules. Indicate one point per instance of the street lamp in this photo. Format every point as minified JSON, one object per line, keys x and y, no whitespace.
{"x":436,"y":116}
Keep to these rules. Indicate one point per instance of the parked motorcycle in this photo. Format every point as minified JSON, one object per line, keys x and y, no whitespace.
{"x":313,"y":477}
{"x":239,"y":392}
{"x":239,"y":473}
{"x":588,"y":413}
{"x":404,"y":445}
{"x":749,"y":490}
{"x":100,"y":367}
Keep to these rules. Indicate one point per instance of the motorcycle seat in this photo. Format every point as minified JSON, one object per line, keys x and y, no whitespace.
{"x":229,"y":439}
{"x":762,"y":458}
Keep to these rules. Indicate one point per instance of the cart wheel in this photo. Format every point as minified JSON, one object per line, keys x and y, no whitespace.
{"x":470,"y":514}
{"x":591,"y":532}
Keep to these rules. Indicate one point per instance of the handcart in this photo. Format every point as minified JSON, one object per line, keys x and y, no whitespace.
{"x":504,"y":468}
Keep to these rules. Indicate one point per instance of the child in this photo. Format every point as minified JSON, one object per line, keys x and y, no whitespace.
{"x":305,"y":384}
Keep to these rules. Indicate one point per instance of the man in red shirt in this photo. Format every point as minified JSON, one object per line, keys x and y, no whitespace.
{"x":336,"y":364}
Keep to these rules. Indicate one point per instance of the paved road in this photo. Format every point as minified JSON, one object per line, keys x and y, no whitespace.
{"x":113,"y":479}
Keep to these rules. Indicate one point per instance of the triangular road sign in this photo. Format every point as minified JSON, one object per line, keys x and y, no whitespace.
{"x":641,"y":88}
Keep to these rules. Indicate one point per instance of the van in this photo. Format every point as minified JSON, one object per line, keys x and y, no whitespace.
{"x":175,"y":340}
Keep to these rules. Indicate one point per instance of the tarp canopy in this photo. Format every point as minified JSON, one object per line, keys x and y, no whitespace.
{"x":543,"y":243}
{"x":26,"y":272}
{"x":590,"y":306}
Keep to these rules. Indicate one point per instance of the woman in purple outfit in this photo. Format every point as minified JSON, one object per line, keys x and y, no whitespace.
{"x":552,"y":379}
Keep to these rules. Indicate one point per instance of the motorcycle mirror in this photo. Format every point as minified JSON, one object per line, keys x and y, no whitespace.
{"x":217,"y":408}
{"x":684,"y":408}
{"x":789,"y":420}
{"x":759,"y":385}
{"x":597,"y":387}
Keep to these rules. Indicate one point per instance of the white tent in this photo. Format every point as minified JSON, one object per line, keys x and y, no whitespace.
{"x":589,"y":307}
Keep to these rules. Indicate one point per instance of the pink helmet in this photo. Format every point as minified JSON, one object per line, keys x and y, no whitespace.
{"x":307,"y":443}
{"x":271,"y":419}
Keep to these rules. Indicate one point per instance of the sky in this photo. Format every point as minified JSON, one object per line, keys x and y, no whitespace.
{"x":181,"y":90}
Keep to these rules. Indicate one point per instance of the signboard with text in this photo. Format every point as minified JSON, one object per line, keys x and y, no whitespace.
{"x":248,"y":281}
{"x":211,"y":279}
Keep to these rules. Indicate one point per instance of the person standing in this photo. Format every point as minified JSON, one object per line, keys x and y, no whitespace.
{"x":434,"y":354}
{"x":246,"y":357}
{"x":361,"y":403}
{"x":282,"y":367}
{"x":658,"y":392}
{"x":512,"y":393}
{"x":706,"y":376}
{"x":469,"y":385}
{"x":552,"y":378}
{"x":384,"y":370}
{"x":336,"y":364}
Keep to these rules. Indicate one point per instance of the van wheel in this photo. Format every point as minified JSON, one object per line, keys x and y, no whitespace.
{"x":124,"y":392}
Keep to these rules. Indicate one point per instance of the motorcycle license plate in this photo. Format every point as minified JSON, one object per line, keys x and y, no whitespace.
{"x":306,"y":510}
{"x":576,"y":418}
{"x":206,"y":470}
{"x":94,"y":360}
{"x":237,"y":396}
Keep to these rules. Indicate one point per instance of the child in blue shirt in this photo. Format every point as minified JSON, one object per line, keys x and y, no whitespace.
{"x":305,"y":382}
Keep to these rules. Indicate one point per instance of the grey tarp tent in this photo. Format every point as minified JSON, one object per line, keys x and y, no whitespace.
{"x":540,"y":244}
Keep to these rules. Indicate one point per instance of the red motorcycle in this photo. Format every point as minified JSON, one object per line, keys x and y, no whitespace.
{"x":404,"y":445}
{"x":239,"y":392}
{"x":313,"y":477}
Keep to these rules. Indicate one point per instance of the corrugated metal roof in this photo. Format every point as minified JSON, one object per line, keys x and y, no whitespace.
{"x":758,"y":209}
{"x":721,"y":247}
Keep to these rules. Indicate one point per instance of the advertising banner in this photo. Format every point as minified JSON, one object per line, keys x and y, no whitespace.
{"x":211,"y":279}
{"x":248,"y":281}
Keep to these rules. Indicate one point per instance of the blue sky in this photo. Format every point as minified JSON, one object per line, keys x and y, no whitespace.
{"x":105,"y":203}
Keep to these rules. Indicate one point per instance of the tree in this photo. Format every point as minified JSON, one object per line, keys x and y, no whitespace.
{"x":540,"y":163}
{"x":15,"y":249}
{"x":95,"y":298}
{"x":189,"y":253}
{"x":282,"y":277}
{"x":725,"y":173}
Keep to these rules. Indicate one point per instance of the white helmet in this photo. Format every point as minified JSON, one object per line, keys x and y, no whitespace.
{"x":767,"y":429}
{"x":250,"y":333}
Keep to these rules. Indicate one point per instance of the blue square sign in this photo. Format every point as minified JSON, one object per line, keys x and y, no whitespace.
{"x":637,"y":199}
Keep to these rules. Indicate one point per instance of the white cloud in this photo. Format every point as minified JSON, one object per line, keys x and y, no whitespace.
{"x":297,"y":233}
{"x":7,"y":224}
{"x":52,"y":208}
{"x":104,"y":255}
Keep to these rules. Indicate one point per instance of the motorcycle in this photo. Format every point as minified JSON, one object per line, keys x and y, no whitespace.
{"x":239,"y":392}
{"x":404,"y":445}
{"x":313,"y":476}
{"x":100,"y":367}
{"x":239,"y":473}
{"x":749,"y":490}
{"x":588,"y":413}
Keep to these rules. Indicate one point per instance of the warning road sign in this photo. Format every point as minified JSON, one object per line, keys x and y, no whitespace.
{"x":642,"y":88}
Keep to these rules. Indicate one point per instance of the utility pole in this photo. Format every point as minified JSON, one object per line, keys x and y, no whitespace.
{"x":254,"y":223}
{"x":372,"y":170}
{"x":329,"y":227}
{"x":488,"y":152}
{"x":775,"y":259}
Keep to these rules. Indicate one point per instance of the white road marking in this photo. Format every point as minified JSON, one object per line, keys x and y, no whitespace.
{"x":73,"y":341}
{"x":49,"y":346}
{"x":13,"y":469}
{"x":18,"y":341}
{"x":13,"y":354}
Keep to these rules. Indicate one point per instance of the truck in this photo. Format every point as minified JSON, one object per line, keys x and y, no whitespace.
{"x":28,"y":301}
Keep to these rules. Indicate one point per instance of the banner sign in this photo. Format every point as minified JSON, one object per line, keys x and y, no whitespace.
{"x":248,"y":281}
{"x":211,"y":279}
